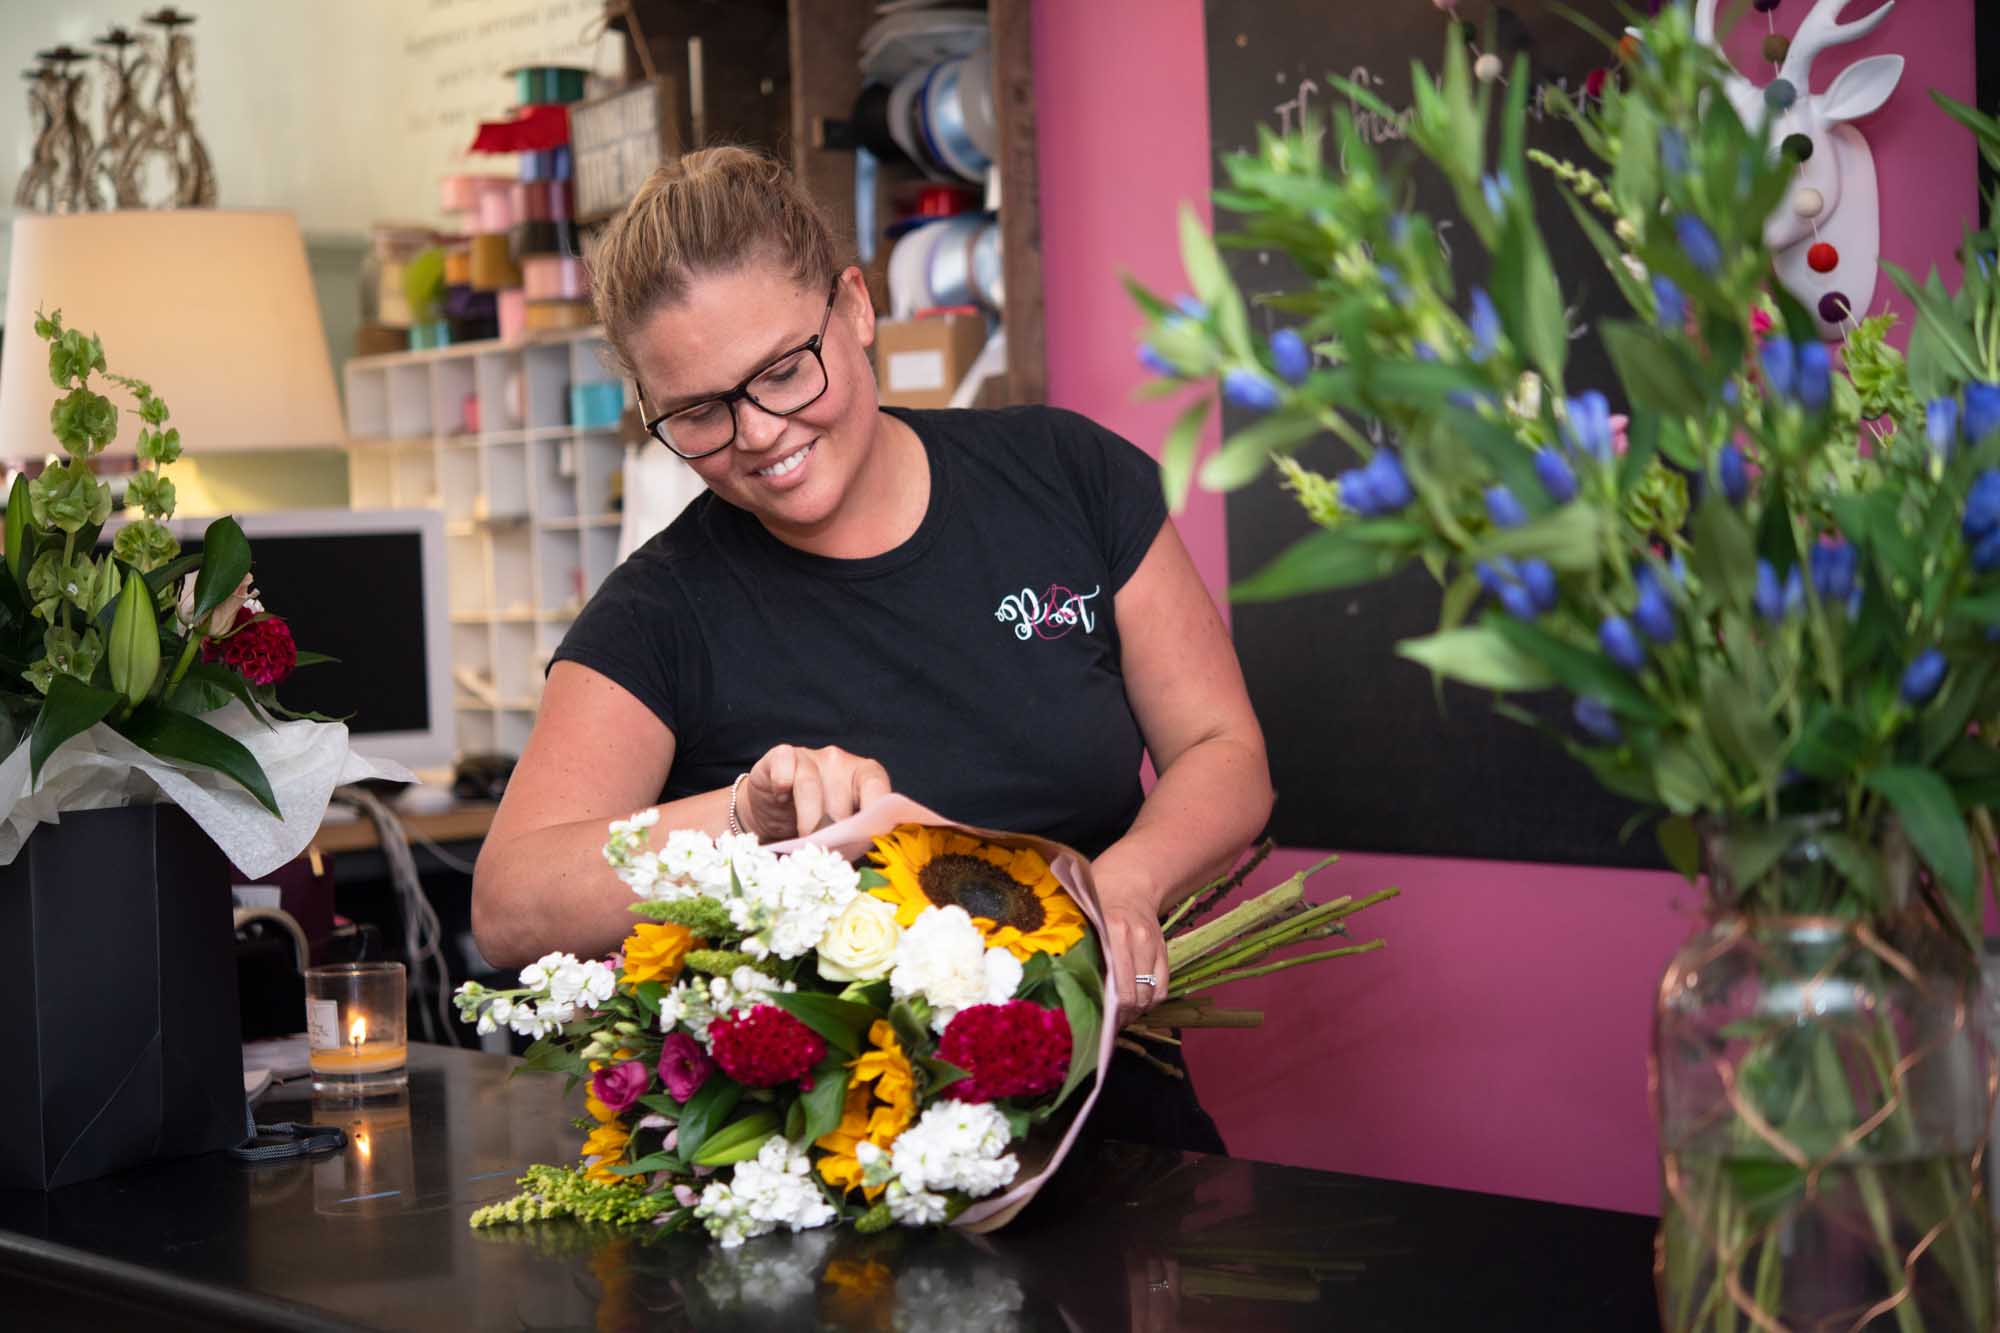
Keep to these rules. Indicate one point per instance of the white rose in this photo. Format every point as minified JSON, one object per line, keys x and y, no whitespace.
{"x":860,"y":943}
{"x":223,"y":618}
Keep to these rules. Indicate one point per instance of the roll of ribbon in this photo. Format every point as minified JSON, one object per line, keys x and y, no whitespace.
{"x":596,"y":404}
{"x":988,"y":274}
{"x":459,"y":193}
{"x":543,"y":84}
{"x":492,"y":267}
{"x":546,"y":315}
{"x":458,"y":265}
{"x":949,"y":274}
{"x":556,"y":237}
{"x":513,"y":313}
{"x":553,"y":165}
{"x":542,"y":201}
{"x":941,"y":117}
{"x":554,"y":278}
{"x":496,"y":207}
{"x":465,"y":303}
{"x":472,"y":330}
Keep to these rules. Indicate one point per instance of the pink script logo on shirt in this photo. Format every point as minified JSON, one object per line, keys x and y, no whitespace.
{"x":1050,"y":616}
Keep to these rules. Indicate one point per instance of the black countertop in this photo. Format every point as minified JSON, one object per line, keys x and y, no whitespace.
{"x":1126,"y":1238}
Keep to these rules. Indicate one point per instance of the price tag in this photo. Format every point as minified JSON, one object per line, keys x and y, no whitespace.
{"x":323,"y":1024}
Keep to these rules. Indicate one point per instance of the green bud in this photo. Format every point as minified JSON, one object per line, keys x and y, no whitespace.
{"x":104,"y":585}
{"x":874,"y":1220}
{"x":67,"y":653}
{"x":53,"y":581}
{"x":68,"y":497}
{"x":18,"y":513}
{"x":145,"y":546}
{"x":627,"y":1029}
{"x":83,"y":421}
{"x":152,"y":492}
{"x":159,"y":446}
{"x":134,"y":655}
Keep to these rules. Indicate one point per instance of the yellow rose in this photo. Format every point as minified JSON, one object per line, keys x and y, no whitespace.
{"x":654,"y":953}
{"x":604,"y":1149}
{"x":860,"y":945}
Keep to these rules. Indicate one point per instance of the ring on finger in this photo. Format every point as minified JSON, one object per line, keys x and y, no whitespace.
{"x":1147,"y":979}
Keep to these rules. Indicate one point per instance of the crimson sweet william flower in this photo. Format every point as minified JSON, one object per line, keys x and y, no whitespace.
{"x":684,"y":1065}
{"x":1016,"y":1049}
{"x":766,"y":1047}
{"x":259,"y":650}
{"x":619,"y":1086}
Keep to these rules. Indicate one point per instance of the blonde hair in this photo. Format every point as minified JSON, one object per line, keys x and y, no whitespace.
{"x":711,"y":211}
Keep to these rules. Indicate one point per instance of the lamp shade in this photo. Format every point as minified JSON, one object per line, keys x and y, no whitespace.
{"x":214,"y":308}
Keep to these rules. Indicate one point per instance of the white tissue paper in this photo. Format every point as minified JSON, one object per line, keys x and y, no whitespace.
{"x":303,"y":761}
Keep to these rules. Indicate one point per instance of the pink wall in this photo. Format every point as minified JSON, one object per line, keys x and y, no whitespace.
{"x":1499,"y":1042}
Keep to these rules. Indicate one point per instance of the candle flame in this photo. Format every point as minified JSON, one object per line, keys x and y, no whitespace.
{"x":362,"y":1144}
{"x":357,"y":1031}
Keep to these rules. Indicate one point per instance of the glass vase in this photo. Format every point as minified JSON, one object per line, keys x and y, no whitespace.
{"x":1823,"y":1085}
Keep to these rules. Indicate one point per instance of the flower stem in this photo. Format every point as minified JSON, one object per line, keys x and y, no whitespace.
{"x":1245,"y":974}
{"x":181,"y":665}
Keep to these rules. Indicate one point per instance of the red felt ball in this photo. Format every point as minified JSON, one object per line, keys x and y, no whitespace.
{"x":1823,"y":258}
{"x":1593,"y":83}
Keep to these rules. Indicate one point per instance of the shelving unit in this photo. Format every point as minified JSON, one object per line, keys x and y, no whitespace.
{"x":481,"y":431}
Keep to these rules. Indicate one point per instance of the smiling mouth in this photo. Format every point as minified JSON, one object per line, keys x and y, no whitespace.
{"x":786,"y":465}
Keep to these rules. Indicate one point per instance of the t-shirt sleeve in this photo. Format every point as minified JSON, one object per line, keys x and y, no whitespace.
{"x":1119,"y":485}
{"x":628,"y":633}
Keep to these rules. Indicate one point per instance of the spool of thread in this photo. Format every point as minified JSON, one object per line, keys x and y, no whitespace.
{"x":550,"y":165}
{"x":513,"y":313}
{"x":492,"y":267}
{"x":596,"y":404}
{"x":431,"y":333}
{"x":554,"y":237}
{"x":542,"y":201}
{"x":458,"y":266}
{"x":543,"y":316}
{"x":377,"y":339}
{"x":459,"y":193}
{"x":465,"y":303}
{"x":540,"y":85}
{"x":472,"y":330}
{"x":496,"y":207}
{"x":554,"y":278}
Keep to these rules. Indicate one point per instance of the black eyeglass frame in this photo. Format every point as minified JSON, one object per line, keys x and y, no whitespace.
{"x":655,"y":425}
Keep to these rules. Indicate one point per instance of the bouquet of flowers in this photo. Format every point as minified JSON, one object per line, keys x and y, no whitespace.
{"x":789,"y":1038}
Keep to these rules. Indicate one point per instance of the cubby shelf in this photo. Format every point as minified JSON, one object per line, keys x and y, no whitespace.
{"x":481,"y":432}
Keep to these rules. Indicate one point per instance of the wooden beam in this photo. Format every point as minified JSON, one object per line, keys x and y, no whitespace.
{"x":1020,"y":204}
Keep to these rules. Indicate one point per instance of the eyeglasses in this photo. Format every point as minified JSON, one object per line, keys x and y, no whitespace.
{"x":791,"y":383}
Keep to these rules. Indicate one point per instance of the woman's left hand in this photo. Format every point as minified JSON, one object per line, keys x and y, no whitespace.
{"x":1133,"y":939}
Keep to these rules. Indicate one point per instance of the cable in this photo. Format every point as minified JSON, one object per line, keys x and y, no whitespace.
{"x":423,"y":933}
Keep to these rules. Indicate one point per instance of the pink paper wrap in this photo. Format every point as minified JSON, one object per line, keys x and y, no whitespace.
{"x":1039,"y":1154}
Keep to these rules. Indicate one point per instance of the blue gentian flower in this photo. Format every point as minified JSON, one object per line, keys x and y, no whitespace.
{"x":1190,"y":307}
{"x":1982,"y":506}
{"x":1388,"y":481}
{"x":1698,"y":243}
{"x":1357,"y":493}
{"x":1982,"y":411}
{"x":1672,"y":304}
{"x":1503,"y":508}
{"x":1941,"y":425}
{"x":1769,"y":598}
{"x":1654,"y":612}
{"x":1621,"y":643}
{"x":1596,"y":720}
{"x":1539,"y":578}
{"x":1673,"y":150}
{"x":1815,"y":376}
{"x":1290,"y":355}
{"x":1556,"y":476}
{"x":1423,"y":351}
{"x":1497,"y":573}
{"x":1587,"y":425}
{"x":1922,"y":678}
{"x":1485,"y":324}
{"x":1781,"y":366}
{"x":1732,"y":472}
{"x":1986,"y":554}
{"x":1392,"y":278}
{"x":1399,"y":228}
{"x":1497,"y":189}
{"x":1150,"y":358}
{"x":1731,"y":394}
{"x":1517,"y":601}
{"x":1795,"y":591}
{"x":1250,"y":389}
{"x":1833,"y":568}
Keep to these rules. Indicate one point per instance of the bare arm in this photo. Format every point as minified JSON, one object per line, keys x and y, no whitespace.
{"x":1214,"y":788}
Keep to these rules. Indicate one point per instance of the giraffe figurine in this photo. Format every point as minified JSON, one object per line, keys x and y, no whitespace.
{"x":40,"y":181}
{"x":173,"y":107}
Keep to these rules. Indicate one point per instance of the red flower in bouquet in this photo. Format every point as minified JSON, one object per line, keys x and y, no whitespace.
{"x":259,"y":650}
{"x":619,"y":1086}
{"x":766,"y":1047}
{"x":1016,"y":1049}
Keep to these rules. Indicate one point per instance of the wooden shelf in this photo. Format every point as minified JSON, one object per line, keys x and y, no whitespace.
{"x":574,"y":522}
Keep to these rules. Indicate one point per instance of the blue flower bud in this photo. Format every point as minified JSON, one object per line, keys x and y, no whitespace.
{"x":1731,"y":393}
{"x":1587,"y":425}
{"x":1769,"y":598}
{"x":1539,"y":578}
{"x":1986,"y":555}
{"x":1621,"y":643}
{"x":1654,"y":613}
{"x":1150,"y":358}
{"x":1795,"y":591}
{"x":1672,"y":304}
{"x":1982,"y":506}
{"x":1467,"y":400}
{"x":1516,"y":599}
{"x":1388,"y":481}
{"x":1190,"y":307}
{"x":1392,"y":278}
{"x":1982,"y":411}
{"x":1485,"y":325}
{"x":1399,"y":228}
{"x":1423,"y":351}
{"x":1781,"y":365}
{"x":1673,"y":150}
{"x":1357,"y":493}
{"x":1290,"y":355}
{"x":1833,"y":566}
{"x":1556,"y":476}
{"x":1734,"y":475}
{"x":1498,"y":190}
{"x":1698,"y":243}
{"x":1250,"y":390}
{"x":1941,"y":425}
{"x":1922,"y":678}
{"x":1497,"y":573}
{"x":1815,"y":376}
{"x":1596,"y":720}
{"x":1678,"y":569}
{"x":1503,"y":508}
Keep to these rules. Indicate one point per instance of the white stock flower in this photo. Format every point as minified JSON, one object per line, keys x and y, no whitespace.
{"x":943,"y":958}
{"x":535,"y":976}
{"x":914,"y":1208}
{"x":575,"y":984}
{"x":932,"y":1300}
{"x":955,"y":1146}
{"x":860,"y":943}
{"x":773,"y":1189}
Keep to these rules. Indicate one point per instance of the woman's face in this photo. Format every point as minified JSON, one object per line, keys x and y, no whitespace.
{"x":791,"y":471}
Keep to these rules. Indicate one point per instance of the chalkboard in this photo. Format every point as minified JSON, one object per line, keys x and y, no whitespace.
{"x":1362,"y":755}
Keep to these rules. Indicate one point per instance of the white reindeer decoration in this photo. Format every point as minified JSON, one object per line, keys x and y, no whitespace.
{"x":1827,"y":233}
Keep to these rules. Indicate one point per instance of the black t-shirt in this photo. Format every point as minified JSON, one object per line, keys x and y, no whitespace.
{"x":978,"y":661}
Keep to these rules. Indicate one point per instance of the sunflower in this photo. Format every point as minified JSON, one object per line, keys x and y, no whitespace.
{"x":1010,"y":895}
{"x":874,"y":1115}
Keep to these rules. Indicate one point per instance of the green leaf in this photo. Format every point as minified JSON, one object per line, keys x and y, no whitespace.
{"x":1829,"y":747}
{"x":1036,"y":973}
{"x":1859,"y":865}
{"x":1654,"y":371}
{"x":1177,"y":454}
{"x":1761,"y":1188}
{"x":647,"y":995}
{"x":1317,"y":562}
{"x":738,"y":1141}
{"x":133,"y":653}
{"x":312,"y":659}
{"x":1479,"y":656}
{"x":71,"y":709}
{"x":1945,"y":720}
{"x":18,"y":536}
{"x":1684,"y":786}
{"x":1930,"y":818}
{"x":1724,"y":553}
{"x":1198,"y":256}
{"x":1083,"y":962}
{"x":659,"y":1161}
{"x":826,"y":1099}
{"x":551,"y":1057}
{"x":1085,"y":1020}
{"x":1579,"y":671}
{"x":843,"y":1023}
{"x":1682,"y":845}
{"x":1940,"y":322}
{"x":1739,"y":725}
{"x":171,"y":734}
{"x":1522,"y":266}
{"x":912,"y":1027}
{"x":661,"y":1104}
{"x":225,"y":560}
{"x":1635,"y":181}
{"x":942,"y":1073}
{"x":1568,"y":538}
{"x":795,"y":1123}
{"x":708,"y":1108}
{"x":1245,"y":454}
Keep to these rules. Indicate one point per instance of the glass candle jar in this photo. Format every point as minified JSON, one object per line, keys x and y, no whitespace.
{"x":355,"y":1028}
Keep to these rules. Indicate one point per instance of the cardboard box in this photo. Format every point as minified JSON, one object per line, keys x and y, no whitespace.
{"x":919,"y":362}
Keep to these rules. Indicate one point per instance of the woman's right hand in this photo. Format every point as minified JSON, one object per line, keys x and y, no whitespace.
{"x":793,"y":790}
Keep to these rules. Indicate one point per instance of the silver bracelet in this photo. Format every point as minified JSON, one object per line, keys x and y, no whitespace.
{"x":736,"y":825}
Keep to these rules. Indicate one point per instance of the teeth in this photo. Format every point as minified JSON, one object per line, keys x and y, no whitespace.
{"x":788,"y":464}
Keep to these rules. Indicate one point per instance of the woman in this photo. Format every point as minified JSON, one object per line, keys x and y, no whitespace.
{"x":987,"y":612}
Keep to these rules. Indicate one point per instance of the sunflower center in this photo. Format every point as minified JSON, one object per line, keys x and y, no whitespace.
{"x":982,"y":889}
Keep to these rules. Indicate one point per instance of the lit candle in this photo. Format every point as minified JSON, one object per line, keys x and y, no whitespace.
{"x":360,"y":1055}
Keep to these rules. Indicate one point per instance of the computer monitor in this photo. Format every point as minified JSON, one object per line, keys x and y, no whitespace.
{"x":366,"y":586}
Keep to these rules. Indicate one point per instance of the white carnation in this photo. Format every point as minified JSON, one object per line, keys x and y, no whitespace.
{"x":797,"y":898}
{"x":943,"y":958}
{"x":773,"y":1189}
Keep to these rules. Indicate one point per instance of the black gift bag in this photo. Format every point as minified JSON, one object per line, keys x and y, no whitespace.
{"x":118,"y":982}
